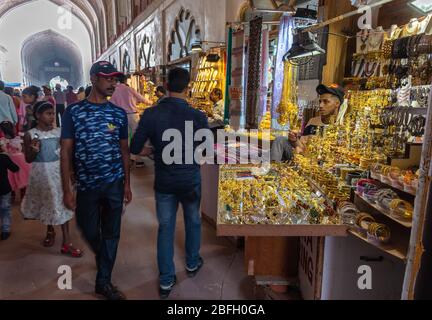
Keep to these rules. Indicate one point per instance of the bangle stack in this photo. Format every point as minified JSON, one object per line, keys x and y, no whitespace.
{"x":364,"y":219}
{"x":401,"y":209}
{"x":378,"y":232}
{"x":348,"y":213}
{"x":384,"y":197}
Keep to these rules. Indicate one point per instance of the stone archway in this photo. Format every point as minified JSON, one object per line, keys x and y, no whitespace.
{"x":92,"y":13}
{"x":48,"y":54}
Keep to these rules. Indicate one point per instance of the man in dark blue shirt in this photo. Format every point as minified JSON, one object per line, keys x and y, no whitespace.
{"x":95,"y":152}
{"x":177,"y":177}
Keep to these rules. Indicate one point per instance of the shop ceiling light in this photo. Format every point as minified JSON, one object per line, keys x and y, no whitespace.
{"x":424,"y":6}
{"x":213,"y":57}
{"x":304,"y":45}
{"x":197,"y":47}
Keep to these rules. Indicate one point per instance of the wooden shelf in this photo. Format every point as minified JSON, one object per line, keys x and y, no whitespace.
{"x":391,"y":248}
{"x":232,"y":230}
{"x":404,"y":223}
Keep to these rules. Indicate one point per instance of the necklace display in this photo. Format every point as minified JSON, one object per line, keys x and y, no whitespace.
{"x":368,"y":71}
{"x":375,"y":40}
{"x":395,"y":33}
{"x":364,"y":37}
{"x":411,"y":28}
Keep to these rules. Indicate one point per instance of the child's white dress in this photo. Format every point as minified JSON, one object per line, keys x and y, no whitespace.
{"x":44,"y":196}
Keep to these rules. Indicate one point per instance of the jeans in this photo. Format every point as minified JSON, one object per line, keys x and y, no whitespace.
{"x":166,"y":208}
{"x":5,"y":212}
{"x":98,"y":215}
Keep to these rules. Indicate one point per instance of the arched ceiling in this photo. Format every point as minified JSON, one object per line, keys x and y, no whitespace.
{"x":91,"y":13}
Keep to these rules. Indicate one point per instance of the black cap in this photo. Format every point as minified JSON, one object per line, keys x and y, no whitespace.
{"x":104,"y":69}
{"x":333,"y":89}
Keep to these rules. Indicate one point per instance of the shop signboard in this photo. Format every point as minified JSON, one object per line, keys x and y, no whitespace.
{"x":310,"y":267}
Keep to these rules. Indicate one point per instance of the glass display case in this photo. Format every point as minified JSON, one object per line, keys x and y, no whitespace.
{"x":273,"y":200}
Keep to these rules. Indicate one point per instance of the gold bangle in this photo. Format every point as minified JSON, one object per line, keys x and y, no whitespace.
{"x":364,"y":217}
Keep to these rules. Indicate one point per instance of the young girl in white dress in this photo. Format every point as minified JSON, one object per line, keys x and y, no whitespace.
{"x":44,"y":197}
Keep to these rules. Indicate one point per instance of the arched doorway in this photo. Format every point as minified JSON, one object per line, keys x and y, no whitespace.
{"x":48,"y":54}
{"x":15,"y":31}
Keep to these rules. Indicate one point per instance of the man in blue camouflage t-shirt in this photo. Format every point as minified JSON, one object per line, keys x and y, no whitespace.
{"x":95,"y":152}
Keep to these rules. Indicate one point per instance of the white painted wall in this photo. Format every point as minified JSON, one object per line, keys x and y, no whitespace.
{"x":33,"y":17}
{"x":210,"y":16}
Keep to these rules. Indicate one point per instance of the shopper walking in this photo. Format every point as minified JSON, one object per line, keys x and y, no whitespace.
{"x":17,"y":103}
{"x":7,"y":107}
{"x":60,"y":98}
{"x":71,"y":97}
{"x":13,"y":146}
{"x":43,"y":200}
{"x":6,"y":164}
{"x":174,"y":183}
{"x":95,"y":149}
{"x":30,"y":98}
{"x":128,"y":98}
{"x":81,"y":94}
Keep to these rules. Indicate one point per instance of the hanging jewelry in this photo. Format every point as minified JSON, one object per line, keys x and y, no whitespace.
{"x":364,"y":36}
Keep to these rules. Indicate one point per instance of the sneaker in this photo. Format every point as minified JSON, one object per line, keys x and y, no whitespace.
{"x":110,"y":292}
{"x":5,"y":235}
{"x":193,"y":272}
{"x":164,"y":291}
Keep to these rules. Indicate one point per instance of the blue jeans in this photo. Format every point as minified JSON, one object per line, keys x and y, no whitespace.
{"x":166,"y":208}
{"x":5,"y":212}
{"x":98,"y":215}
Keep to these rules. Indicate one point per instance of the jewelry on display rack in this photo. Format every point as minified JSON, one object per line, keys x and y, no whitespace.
{"x":363,"y":37}
{"x":425,"y":24}
{"x":417,"y":126}
{"x":395,"y":32}
{"x":401,"y":209}
{"x":378,"y":232}
{"x":369,"y":72}
{"x":410,"y":29}
{"x":421,"y":96}
{"x":375,"y":40}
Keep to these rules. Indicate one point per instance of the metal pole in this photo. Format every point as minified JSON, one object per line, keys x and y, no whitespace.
{"x":420,"y":216}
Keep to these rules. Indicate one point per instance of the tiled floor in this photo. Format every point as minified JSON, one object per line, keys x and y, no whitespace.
{"x":29,"y":271}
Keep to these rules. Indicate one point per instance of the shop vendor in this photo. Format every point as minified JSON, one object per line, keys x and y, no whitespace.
{"x":331,"y":99}
{"x":217,"y":119}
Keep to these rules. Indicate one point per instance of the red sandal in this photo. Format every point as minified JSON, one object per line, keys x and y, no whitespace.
{"x":71,"y":251}
{"x":50,"y":239}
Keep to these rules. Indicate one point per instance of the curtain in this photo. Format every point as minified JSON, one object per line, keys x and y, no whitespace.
{"x":285,"y":41}
{"x":254,"y":73}
{"x":264,"y":72}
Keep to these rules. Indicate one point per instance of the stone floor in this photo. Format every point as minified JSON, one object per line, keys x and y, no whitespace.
{"x":29,"y":271}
